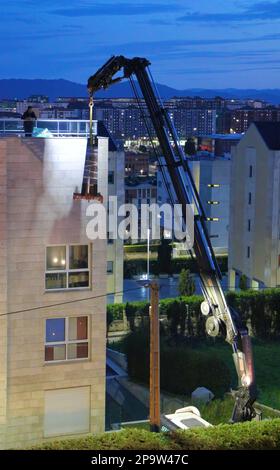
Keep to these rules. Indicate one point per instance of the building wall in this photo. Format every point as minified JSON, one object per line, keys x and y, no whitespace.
{"x":262,"y":265}
{"x":38,"y":210}
{"x":115,"y":179}
{"x":212,"y":179}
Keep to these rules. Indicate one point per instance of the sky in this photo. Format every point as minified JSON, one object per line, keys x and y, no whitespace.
{"x":203,"y":44}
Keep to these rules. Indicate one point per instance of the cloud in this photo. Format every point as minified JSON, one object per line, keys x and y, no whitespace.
{"x":258,"y":11}
{"x":117,"y":9}
{"x":179,"y":45}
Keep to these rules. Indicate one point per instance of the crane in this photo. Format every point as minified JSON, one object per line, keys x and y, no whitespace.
{"x":219,"y":315}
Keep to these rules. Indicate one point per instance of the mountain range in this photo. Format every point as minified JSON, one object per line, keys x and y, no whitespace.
{"x":22,"y":88}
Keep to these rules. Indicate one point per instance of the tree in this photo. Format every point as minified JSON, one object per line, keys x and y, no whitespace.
{"x":190,"y":147}
{"x":130,"y":313}
{"x":186,"y":283}
{"x":243,"y":282}
{"x":164,"y":256}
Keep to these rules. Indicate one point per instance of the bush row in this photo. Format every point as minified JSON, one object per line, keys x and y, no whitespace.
{"x":260,"y":310}
{"x":138,"y":266}
{"x":263,"y":435}
{"x":140,"y":248}
{"x":182,"y":369}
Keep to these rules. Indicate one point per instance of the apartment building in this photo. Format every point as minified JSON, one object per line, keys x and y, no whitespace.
{"x":53,"y":285}
{"x":212,"y":178}
{"x":254,"y":207}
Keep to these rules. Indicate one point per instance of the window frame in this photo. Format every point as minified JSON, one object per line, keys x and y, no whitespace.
{"x":66,"y":341}
{"x":67,"y":269}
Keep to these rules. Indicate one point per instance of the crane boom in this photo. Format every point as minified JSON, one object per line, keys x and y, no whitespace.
{"x":219,"y":314}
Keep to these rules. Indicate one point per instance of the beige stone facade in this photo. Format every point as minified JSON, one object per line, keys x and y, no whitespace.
{"x":254,"y":246}
{"x":37,"y":181}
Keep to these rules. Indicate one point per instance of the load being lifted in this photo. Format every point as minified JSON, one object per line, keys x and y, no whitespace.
{"x":219,"y":315}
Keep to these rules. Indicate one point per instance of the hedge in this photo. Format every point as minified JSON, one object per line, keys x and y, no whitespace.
{"x":182,"y":369}
{"x":140,"y":248}
{"x":137,"y":266}
{"x":260,"y":310}
{"x":264,"y":435}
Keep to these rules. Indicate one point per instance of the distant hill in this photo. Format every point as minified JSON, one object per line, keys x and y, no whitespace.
{"x":22,"y":88}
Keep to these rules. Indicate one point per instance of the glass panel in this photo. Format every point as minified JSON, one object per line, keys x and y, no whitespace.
{"x":56,"y":258}
{"x":56,"y":281}
{"x":77,"y":351}
{"x":77,"y":328}
{"x":55,"y":353}
{"x":55,"y":330}
{"x":78,"y":279}
{"x":78,"y":256}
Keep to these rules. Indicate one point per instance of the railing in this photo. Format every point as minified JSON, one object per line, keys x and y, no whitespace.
{"x":56,"y":127}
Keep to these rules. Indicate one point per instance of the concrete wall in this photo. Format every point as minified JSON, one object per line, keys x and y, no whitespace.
{"x":37,"y":181}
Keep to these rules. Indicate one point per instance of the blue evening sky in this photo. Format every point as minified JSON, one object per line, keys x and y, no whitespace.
{"x":208,"y":43}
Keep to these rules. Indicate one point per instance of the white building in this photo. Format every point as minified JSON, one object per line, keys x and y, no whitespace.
{"x":212,"y":177}
{"x":254,"y":207}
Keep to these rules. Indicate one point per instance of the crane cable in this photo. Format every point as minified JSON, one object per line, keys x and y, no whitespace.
{"x":91,"y":120}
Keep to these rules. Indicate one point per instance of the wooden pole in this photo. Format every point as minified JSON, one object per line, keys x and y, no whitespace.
{"x":154,"y":359}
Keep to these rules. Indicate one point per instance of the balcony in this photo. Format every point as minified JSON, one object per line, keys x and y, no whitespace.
{"x":55,"y":127}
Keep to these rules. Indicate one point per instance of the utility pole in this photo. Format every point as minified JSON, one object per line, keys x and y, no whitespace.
{"x":154,"y":359}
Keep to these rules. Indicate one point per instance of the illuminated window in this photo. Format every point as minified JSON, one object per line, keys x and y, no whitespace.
{"x":213,"y":202}
{"x":213,"y":219}
{"x":67,"y":267}
{"x":213,"y":185}
{"x":66,"y":339}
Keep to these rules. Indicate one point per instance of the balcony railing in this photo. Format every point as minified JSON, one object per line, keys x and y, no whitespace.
{"x":56,"y":127}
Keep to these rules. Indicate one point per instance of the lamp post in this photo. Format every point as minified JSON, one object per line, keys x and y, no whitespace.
{"x":148,"y":253}
{"x":154,"y":359}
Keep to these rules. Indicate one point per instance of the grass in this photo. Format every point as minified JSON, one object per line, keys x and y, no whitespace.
{"x":254,"y":435}
{"x":267,"y":367}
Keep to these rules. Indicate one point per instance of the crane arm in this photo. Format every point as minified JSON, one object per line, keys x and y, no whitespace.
{"x":219,"y":314}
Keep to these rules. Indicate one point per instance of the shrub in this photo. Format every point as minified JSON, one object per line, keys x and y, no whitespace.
{"x":186,"y":283}
{"x":243,"y":282}
{"x":260,"y":310}
{"x":182,"y":369}
{"x":137,"y":266}
{"x":264,"y":435}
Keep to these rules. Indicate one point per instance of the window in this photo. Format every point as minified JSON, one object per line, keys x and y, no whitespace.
{"x":66,"y":339}
{"x":250,"y":198}
{"x":250,"y":171}
{"x":248,"y":252}
{"x":67,"y":267}
{"x":213,"y":219}
{"x":213,"y":185}
{"x":110,"y":267}
{"x":213,"y":202}
{"x":111,"y":177}
{"x":249,"y":225}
